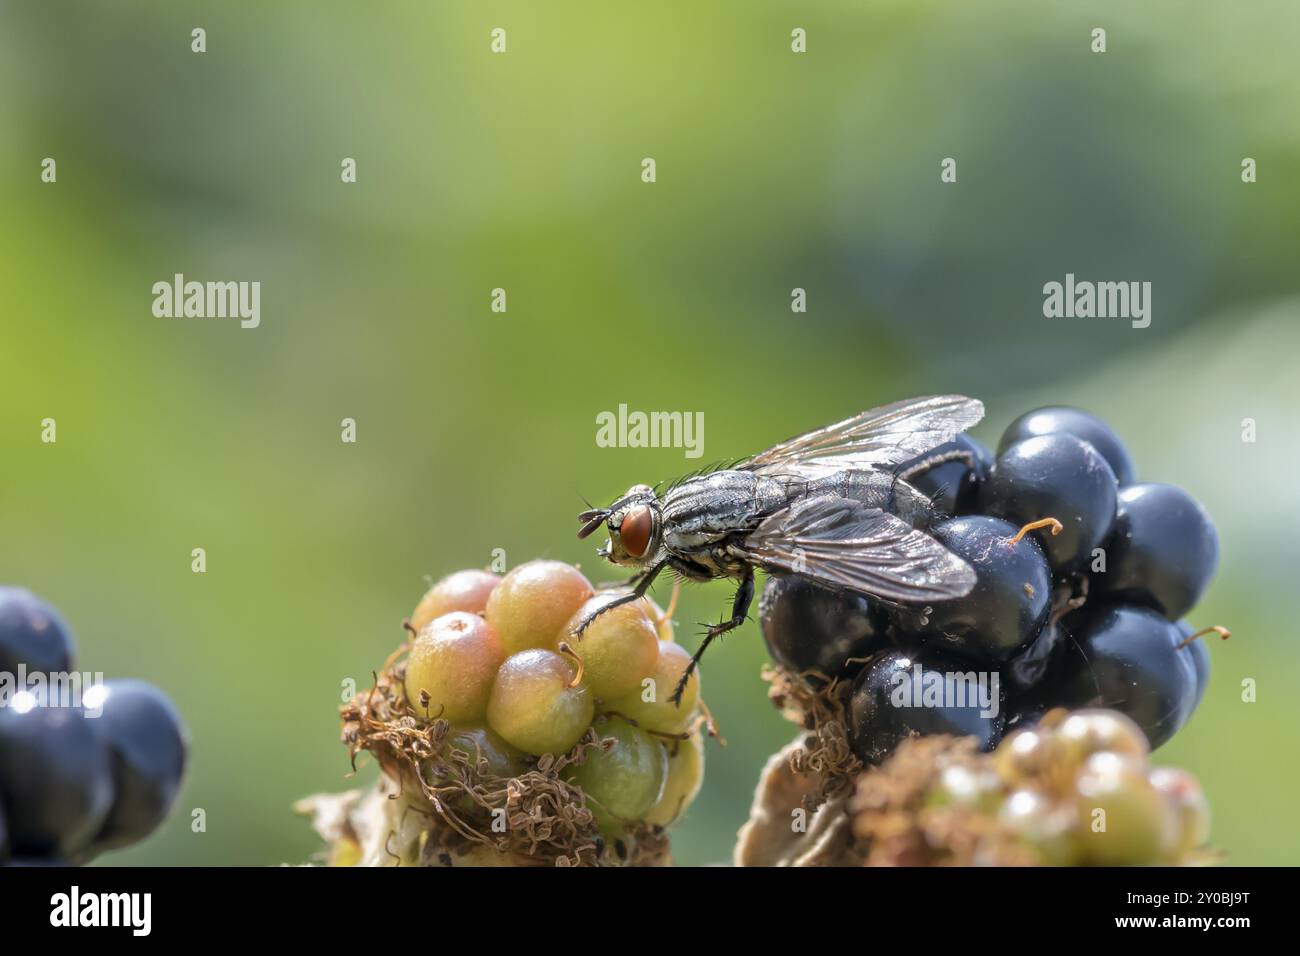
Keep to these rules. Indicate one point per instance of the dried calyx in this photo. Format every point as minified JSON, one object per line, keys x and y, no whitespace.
{"x":449,"y":805}
{"x":824,"y":752}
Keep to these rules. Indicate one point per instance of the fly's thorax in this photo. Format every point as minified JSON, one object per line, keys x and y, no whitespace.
{"x":722,"y":501}
{"x":703,"y":511}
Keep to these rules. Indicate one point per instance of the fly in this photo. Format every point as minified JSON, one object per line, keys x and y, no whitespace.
{"x":833,"y":505}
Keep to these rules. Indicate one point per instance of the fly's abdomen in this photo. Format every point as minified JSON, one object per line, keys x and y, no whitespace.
{"x":876,"y":489}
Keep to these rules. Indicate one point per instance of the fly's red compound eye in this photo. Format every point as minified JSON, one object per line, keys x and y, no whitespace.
{"x":634,"y":533}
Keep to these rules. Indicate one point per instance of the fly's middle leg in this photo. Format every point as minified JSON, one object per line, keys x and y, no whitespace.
{"x":739,"y":613}
{"x":639,"y":589}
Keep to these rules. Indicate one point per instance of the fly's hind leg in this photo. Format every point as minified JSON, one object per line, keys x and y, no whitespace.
{"x":739,"y":613}
{"x":641,"y":584}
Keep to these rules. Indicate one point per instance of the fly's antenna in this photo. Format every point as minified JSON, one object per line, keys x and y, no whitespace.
{"x":592,"y":519}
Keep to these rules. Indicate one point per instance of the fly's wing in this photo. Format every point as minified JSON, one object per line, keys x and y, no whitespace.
{"x":843,"y":544}
{"x":881,"y":438}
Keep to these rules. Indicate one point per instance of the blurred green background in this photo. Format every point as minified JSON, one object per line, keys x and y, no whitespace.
{"x":476,"y":430}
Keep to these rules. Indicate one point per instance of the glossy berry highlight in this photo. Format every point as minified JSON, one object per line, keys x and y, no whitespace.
{"x":1063,"y":420}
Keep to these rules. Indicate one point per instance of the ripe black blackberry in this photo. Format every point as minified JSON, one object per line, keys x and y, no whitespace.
{"x":32,"y":635}
{"x":1082,"y":573}
{"x":77,"y":778}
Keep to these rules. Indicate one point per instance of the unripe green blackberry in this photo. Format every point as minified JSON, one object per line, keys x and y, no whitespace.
{"x":1023,"y":756}
{"x":532,"y":605}
{"x":663,"y":619}
{"x":960,"y":785}
{"x":506,"y":761}
{"x":1087,"y":732}
{"x":1190,"y":808}
{"x":619,"y":649}
{"x":538,"y":703}
{"x":1123,"y":819}
{"x":1042,"y":824}
{"x":651,"y":705}
{"x":622,"y":783}
{"x":466,"y":591}
{"x":685,"y":777}
{"x":451,"y":667}
{"x":488,"y":752}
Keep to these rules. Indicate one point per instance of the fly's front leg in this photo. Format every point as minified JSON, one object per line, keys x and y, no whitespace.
{"x":642,"y":585}
{"x":739,"y":614}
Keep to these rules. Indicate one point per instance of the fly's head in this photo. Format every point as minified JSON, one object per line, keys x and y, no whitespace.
{"x":635,"y":526}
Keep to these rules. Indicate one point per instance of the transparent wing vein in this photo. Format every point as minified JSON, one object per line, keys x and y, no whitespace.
{"x":843,"y":544}
{"x":881,"y":437}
